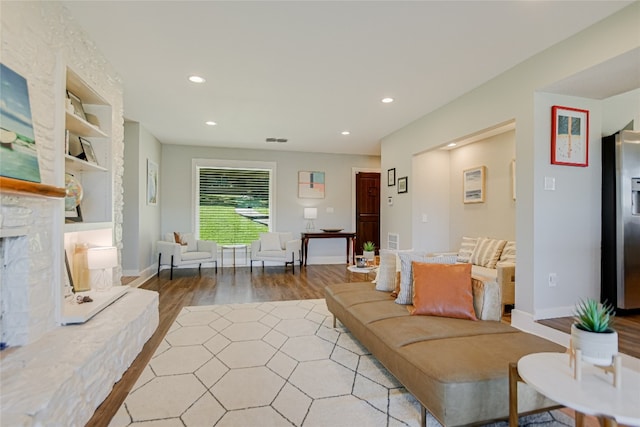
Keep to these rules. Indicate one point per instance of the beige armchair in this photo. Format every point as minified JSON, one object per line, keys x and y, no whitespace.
{"x":277,"y":247}
{"x":179,"y":249}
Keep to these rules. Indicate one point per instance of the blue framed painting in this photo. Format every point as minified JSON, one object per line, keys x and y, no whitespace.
{"x":18,"y":154}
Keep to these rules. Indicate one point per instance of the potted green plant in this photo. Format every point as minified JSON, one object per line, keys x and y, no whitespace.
{"x":368,"y":250}
{"x":592,"y":334}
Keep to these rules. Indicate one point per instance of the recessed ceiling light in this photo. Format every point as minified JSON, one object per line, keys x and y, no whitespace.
{"x":346,"y":132}
{"x":211,"y":123}
{"x":387,"y":100}
{"x":196,"y":79}
{"x":451,"y":144}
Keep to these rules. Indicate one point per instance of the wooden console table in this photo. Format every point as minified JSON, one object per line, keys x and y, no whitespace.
{"x":350,"y":238}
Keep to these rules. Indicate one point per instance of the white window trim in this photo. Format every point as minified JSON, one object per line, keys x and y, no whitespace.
{"x":197,"y":164}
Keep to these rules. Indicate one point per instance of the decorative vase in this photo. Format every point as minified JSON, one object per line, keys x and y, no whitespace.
{"x":598,"y":348}
{"x":369,"y":255}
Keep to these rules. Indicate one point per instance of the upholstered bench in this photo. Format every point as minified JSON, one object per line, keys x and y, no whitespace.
{"x":457,"y":369}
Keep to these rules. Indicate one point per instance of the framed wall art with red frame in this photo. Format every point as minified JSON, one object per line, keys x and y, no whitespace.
{"x":569,"y":136}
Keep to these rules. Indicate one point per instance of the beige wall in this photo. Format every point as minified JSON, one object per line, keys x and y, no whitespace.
{"x":440,"y":218}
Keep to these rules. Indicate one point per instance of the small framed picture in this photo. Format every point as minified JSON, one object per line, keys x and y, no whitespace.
{"x":90,"y":155}
{"x":75,"y":147}
{"x":78,"y":110}
{"x":473,"y":182}
{"x":403,"y":185}
{"x":391,"y":177}
{"x":68,"y":278}
{"x":569,"y":136}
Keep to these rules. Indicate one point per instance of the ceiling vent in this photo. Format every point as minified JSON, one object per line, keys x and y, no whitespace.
{"x":280,"y":140}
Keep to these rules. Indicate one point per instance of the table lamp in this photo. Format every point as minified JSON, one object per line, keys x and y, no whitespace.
{"x":310,"y":214}
{"x":99,"y":260}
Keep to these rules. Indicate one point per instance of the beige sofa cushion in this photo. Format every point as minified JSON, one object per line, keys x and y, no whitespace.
{"x":487,"y":252}
{"x":386,"y":277}
{"x":508,"y":255}
{"x":466,"y":249}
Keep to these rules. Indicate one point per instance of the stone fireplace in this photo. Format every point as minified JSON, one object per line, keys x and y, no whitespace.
{"x":29,"y":280}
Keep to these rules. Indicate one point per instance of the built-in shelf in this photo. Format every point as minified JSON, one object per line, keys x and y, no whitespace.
{"x":10,"y":185}
{"x":80,"y":313}
{"x":78,"y":126}
{"x":85,"y":226}
{"x":76,"y":164}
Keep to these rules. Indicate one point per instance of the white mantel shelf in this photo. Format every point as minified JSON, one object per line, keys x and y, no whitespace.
{"x":73,"y":313}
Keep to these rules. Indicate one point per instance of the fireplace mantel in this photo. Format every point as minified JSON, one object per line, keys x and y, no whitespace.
{"x":27,"y":188}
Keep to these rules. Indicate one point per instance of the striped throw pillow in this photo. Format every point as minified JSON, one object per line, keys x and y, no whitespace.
{"x":405,"y":296}
{"x":466,"y":248}
{"x":487,"y":252}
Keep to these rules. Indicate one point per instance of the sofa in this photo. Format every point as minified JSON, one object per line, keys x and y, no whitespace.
{"x":458,"y":369}
{"x":178,"y":249}
{"x":490,"y":259}
{"x":276,"y":247}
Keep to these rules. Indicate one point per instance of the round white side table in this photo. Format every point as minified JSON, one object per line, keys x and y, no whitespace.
{"x":595,"y":394}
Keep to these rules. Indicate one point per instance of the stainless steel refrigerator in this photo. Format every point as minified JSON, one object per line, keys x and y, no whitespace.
{"x":621,"y":220}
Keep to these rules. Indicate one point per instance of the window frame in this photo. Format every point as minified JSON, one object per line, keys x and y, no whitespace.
{"x":197,"y":164}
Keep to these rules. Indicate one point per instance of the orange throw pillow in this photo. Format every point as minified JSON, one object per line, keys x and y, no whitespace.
{"x":443,"y":290}
{"x":178,"y":239}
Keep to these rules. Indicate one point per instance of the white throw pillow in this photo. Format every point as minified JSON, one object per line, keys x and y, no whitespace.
{"x":508,"y":254}
{"x":270,"y":242}
{"x":405,"y":296}
{"x":386,"y":278}
{"x":190,"y":240}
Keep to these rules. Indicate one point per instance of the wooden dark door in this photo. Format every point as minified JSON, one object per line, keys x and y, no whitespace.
{"x":367,"y":209}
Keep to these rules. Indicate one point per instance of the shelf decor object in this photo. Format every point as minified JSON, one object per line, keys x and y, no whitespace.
{"x":473,"y":185}
{"x":76,"y":102}
{"x":73,"y":196}
{"x":18,"y":153}
{"x":311,"y":185}
{"x":569,"y":136}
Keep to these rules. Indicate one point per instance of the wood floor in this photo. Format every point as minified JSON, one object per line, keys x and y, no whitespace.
{"x":189,"y":288}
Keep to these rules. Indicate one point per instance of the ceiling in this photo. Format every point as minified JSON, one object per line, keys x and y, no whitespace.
{"x":307,"y":70}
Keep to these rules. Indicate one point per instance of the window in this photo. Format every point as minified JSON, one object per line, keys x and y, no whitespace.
{"x":233,"y":201}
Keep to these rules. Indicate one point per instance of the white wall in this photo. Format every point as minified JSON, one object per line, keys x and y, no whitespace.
{"x":142,"y":221}
{"x":430,"y":187}
{"x":176,"y":191}
{"x":510,"y":96}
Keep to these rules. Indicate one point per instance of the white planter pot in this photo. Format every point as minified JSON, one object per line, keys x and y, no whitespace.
{"x":369,"y":255}
{"x":596,"y":348}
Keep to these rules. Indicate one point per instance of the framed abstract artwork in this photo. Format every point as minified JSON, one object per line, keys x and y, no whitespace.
{"x":473,"y":185}
{"x":311,"y":185}
{"x":569,"y":136}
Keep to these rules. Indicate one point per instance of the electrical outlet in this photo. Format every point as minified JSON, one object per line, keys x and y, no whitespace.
{"x":553,"y":280}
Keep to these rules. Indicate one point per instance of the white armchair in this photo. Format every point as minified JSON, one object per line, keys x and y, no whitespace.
{"x":187,"y":251}
{"x":277,"y":247}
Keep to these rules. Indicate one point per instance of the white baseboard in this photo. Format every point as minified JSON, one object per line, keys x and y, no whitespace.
{"x":526,"y":322}
{"x":552,"y":313}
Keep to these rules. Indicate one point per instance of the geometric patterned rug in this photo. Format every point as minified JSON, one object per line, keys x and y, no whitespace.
{"x":271,"y":364}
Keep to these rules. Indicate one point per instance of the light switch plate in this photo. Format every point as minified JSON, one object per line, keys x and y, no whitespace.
{"x":549,"y":183}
